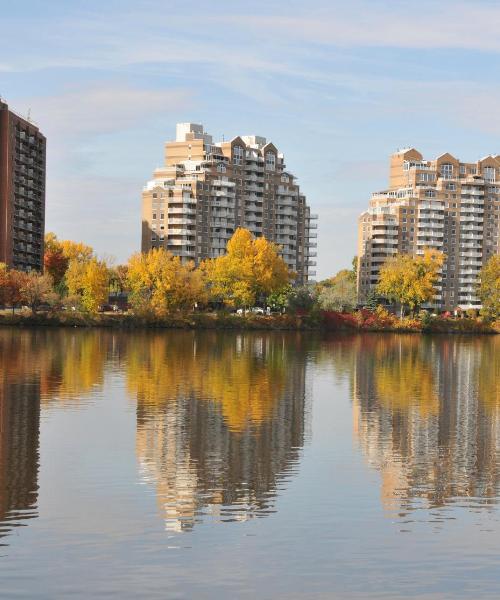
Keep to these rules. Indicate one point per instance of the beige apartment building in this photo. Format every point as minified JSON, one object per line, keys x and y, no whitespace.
{"x":205,"y":190}
{"x":444,"y":204}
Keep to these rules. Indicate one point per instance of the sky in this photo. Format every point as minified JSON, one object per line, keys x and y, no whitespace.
{"x":337,"y":86}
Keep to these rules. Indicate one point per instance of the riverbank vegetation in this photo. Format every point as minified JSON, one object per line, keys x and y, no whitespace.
{"x":250,"y":287}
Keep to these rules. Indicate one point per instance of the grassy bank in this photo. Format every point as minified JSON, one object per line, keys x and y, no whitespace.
{"x":324,"y":321}
{"x":219,"y":320}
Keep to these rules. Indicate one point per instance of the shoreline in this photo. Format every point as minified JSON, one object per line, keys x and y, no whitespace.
{"x":226,"y":321}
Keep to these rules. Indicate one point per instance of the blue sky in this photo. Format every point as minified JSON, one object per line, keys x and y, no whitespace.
{"x":337,"y":86}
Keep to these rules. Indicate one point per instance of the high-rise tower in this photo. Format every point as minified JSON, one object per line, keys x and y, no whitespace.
{"x":206,"y":190}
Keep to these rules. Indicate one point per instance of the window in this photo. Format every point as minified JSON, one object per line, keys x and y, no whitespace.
{"x":270,"y":161}
{"x":446,"y":171}
{"x":489,"y":173}
{"x":221,"y":168}
{"x":238,"y":154}
{"x":426,"y":176}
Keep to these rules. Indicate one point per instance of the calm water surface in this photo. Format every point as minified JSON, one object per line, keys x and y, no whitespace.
{"x":204,"y":465}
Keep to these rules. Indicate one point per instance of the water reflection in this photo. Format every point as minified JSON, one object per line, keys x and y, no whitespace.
{"x":220,"y":421}
{"x":220,"y":418}
{"x":19,"y":435}
{"x":426,"y":416}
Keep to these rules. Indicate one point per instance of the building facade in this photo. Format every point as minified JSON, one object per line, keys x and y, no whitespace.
{"x":22,"y":191}
{"x":206,"y":190}
{"x":444,"y":204}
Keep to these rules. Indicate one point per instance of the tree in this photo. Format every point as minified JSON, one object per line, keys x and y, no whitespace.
{"x":11,"y":283}
{"x":489,"y":286}
{"x":36,"y":289}
{"x":279,"y":298}
{"x":409,"y":280}
{"x":77,"y":250}
{"x":250,"y":269}
{"x":372,"y":300}
{"x":158,"y":280}
{"x":339,"y":292}
{"x":55,"y":264}
{"x":4,"y":274}
{"x":118,"y":279}
{"x":302,"y":299}
{"x":90,"y":281}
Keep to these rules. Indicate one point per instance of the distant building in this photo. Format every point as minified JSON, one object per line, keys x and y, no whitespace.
{"x":22,"y":191}
{"x":444,"y":204}
{"x":206,"y":190}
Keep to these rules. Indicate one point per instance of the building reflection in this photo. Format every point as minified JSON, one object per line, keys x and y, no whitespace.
{"x":426,"y":415}
{"x":220,"y":421}
{"x":39,"y":368}
{"x":19,"y":434}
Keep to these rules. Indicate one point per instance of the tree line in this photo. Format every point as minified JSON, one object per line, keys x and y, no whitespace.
{"x":250,"y":272}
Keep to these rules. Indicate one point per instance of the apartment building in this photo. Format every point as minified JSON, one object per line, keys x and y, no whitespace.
{"x":445,"y":204}
{"x":205,"y":190}
{"x":22,"y":191}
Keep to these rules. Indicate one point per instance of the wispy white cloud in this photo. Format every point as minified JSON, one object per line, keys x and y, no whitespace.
{"x":464,"y":25}
{"x":103,"y":108}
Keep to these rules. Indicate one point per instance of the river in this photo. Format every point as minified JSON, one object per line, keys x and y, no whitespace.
{"x":254,"y":465}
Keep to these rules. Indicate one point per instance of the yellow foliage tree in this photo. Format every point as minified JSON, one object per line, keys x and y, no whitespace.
{"x":76,"y":250}
{"x":160,"y":281}
{"x":489,"y":286}
{"x":90,"y":281}
{"x":250,"y":268}
{"x":409,"y":280}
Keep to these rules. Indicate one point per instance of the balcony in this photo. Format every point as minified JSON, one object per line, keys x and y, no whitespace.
{"x":181,"y":232}
{"x":181,"y":210}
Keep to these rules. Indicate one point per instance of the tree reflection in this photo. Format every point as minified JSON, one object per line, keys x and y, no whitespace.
{"x":220,"y":420}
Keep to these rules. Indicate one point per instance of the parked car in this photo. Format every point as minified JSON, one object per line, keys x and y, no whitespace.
{"x":256,"y":310}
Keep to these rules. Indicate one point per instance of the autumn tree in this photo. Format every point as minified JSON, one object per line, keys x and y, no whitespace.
{"x":410,"y":281}
{"x":35,"y":289}
{"x":4,"y":274}
{"x":11,"y":283}
{"x":77,"y":251}
{"x":158,"y":280}
{"x":59,"y":253}
{"x":251,"y":268}
{"x":489,"y":287}
{"x":55,"y":264}
{"x":88,"y":280}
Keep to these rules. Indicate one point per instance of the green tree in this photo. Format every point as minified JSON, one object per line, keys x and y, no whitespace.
{"x":302,"y":299}
{"x":339,"y":292}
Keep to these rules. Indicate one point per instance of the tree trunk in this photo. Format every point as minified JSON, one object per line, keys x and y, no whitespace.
{"x":402,"y":312}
